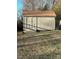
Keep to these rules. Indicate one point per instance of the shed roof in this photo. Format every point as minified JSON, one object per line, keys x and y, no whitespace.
{"x":39,"y":13}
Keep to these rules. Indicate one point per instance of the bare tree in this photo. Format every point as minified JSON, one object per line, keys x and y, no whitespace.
{"x":37,"y":4}
{"x":28,"y":4}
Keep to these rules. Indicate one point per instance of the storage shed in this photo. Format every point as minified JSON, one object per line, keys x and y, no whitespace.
{"x":38,"y":20}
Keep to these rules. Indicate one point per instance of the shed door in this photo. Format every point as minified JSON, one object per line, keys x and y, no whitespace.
{"x":31,"y":23}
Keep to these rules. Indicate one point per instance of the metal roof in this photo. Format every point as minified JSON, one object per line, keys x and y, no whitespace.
{"x":39,"y":13}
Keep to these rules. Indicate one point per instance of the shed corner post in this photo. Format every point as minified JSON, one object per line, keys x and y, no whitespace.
{"x":24,"y":24}
{"x":54,"y":23}
{"x":36,"y":24}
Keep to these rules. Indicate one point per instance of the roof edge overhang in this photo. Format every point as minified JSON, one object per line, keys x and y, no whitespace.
{"x":49,"y":13}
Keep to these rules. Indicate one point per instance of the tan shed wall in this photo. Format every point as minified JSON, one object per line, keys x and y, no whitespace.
{"x":43,"y":22}
{"x":47,"y":22}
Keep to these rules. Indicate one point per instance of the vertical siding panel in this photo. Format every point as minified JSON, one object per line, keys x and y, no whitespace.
{"x":24,"y":23}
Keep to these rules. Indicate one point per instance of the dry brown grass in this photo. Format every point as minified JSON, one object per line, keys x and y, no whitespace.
{"x":43,"y":50}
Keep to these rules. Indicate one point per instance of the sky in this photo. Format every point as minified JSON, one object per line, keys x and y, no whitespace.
{"x":19,"y":8}
{"x":19,"y":4}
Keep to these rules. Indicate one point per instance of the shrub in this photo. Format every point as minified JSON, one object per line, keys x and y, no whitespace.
{"x":19,"y":25}
{"x":57,"y":9}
